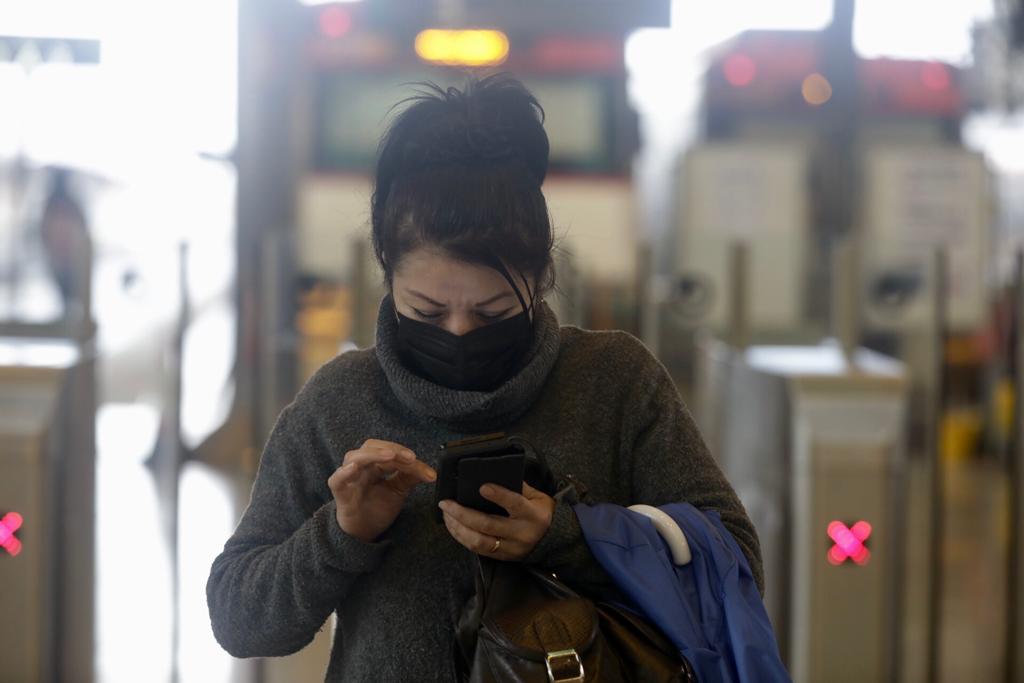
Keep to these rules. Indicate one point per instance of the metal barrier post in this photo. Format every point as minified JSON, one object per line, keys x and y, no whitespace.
{"x":933,"y":448}
{"x":364,"y":313}
{"x":1014,"y":664}
{"x":739,"y":295}
{"x":846,"y":298}
{"x":167,"y":464}
{"x":167,"y":459}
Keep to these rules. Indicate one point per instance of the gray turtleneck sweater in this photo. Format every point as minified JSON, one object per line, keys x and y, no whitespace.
{"x":598,"y":404}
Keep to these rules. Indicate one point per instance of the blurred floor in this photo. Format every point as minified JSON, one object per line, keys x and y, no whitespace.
{"x":973,"y":642}
{"x":134,"y":579}
{"x":133,"y":602}
{"x":973,"y":616}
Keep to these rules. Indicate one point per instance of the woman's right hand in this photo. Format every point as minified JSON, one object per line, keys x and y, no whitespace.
{"x":371,"y":485}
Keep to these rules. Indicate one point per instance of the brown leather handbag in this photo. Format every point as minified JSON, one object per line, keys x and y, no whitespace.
{"x":526,"y":625}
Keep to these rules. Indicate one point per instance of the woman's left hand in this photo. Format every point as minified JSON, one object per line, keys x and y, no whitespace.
{"x":501,"y":538}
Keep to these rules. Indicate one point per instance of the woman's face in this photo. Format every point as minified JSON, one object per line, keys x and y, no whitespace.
{"x":433,"y":287}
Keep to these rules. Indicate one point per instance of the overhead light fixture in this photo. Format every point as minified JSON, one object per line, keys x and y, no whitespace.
{"x":476,"y":47}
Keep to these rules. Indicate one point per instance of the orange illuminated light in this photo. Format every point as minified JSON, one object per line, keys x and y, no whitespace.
{"x":816,"y":90}
{"x":476,"y":47}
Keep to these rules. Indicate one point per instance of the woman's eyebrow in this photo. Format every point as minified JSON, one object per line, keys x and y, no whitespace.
{"x":498,"y":297}
{"x":424,"y":297}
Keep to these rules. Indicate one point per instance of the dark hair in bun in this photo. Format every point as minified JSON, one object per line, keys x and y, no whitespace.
{"x":461,"y":170}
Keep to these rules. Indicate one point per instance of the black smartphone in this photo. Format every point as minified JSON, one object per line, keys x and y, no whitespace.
{"x":466,"y":465}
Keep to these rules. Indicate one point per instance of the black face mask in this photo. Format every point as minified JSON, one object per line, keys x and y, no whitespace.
{"x":480,"y":360}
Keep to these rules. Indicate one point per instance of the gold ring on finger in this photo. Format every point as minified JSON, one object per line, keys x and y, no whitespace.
{"x":497,"y":544}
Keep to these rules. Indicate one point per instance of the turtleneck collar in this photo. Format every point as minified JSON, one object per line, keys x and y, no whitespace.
{"x":469,"y":411}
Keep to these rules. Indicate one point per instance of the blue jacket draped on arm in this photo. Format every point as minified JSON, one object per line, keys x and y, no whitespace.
{"x":710,"y":608}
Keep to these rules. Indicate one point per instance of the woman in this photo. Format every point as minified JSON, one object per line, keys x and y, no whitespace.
{"x":341,"y":516}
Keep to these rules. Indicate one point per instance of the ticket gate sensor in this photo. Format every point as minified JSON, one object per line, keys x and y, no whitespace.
{"x":814,"y":446}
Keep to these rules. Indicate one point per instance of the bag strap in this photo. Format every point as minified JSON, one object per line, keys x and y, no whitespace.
{"x":539,"y":474}
{"x":471,"y":617}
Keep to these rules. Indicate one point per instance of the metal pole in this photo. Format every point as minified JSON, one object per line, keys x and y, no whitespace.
{"x":845,"y":297}
{"x":277,"y":298}
{"x":362,"y":314}
{"x":739,"y":295}
{"x":577,"y":294}
{"x":173,"y":463}
{"x":270,"y":63}
{"x":1014,"y":664}
{"x":653,"y":307}
{"x":836,"y":172}
{"x":935,"y":402}
{"x":571,"y":285}
{"x":166,"y":460}
{"x":641,"y":286}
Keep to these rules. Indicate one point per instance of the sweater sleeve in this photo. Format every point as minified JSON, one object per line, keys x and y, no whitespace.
{"x":288,"y":564}
{"x":671,"y":464}
{"x":564,"y":550}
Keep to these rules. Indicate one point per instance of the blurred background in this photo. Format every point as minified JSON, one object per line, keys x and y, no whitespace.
{"x":812,"y":211}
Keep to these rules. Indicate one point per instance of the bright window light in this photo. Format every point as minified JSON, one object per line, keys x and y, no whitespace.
{"x":666,"y":65}
{"x":151,"y":96}
{"x":703,"y":25}
{"x":51,"y":18}
{"x":1000,"y":137}
{"x":918,"y":29}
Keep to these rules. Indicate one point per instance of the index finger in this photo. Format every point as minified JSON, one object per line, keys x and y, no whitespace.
{"x":403,"y":482}
{"x":388,"y":445}
{"x":352,"y":470}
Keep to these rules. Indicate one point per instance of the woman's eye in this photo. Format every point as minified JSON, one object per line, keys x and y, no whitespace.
{"x":427,"y":316}
{"x":493,"y":316}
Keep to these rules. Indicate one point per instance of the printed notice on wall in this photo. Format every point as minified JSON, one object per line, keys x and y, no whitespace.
{"x":921,"y":198}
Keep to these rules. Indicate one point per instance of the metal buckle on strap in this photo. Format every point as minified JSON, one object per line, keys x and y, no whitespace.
{"x":563,"y":655}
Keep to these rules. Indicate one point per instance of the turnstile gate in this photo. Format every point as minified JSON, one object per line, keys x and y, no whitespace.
{"x":815,"y":449}
{"x":47,"y":459}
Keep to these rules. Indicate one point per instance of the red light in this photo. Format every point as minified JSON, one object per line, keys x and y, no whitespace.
{"x":8,"y":525}
{"x":850,"y":543}
{"x":739,"y":70}
{"x":335,"y":22}
{"x":861,"y":530}
{"x":935,"y":76}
